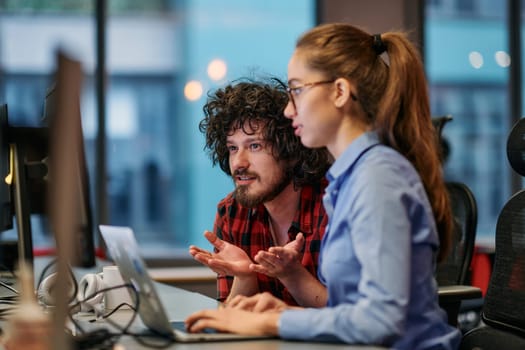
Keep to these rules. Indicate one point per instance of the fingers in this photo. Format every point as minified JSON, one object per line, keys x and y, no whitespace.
{"x":202,"y":258}
{"x":256,"y":303}
{"x":196,"y":250}
{"x":201,"y":255}
{"x":200,"y":320}
{"x":260,"y":269}
{"x":214,"y":240}
{"x":297,"y":244}
{"x":243,"y":302}
{"x":265,"y":302}
{"x":300,"y":240}
{"x":206,"y":258}
{"x":219,"y":265}
{"x":285,"y":255}
{"x":267,"y":259}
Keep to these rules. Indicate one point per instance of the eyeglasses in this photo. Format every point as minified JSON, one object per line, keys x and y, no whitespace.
{"x":296,"y":90}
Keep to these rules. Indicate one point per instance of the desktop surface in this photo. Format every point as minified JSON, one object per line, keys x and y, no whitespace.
{"x":180,"y":303}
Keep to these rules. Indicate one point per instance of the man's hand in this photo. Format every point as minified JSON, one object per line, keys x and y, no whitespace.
{"x":228,"y":260}
{"x":280,"y":261}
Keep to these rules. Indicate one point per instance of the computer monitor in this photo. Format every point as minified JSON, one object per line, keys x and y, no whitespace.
{"x":67,"y":162}
{"x":68,"y":188}
{"x":27,"y":180}
{"x":32,"y":172}
{"x":8,"y":246}
{"x":6,"y":211}
{"x":22,"y":185}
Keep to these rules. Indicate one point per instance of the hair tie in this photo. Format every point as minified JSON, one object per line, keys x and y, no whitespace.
{"x":378,"y":45}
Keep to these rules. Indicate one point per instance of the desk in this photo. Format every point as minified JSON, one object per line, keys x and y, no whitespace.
{"x":199,"y":279}
{"x":180,"y":303}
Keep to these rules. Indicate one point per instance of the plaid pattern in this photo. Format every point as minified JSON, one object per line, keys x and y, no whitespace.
{"x":248,"y":228}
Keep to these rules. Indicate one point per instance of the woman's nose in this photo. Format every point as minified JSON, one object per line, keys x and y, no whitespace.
{"x":289,"y":110}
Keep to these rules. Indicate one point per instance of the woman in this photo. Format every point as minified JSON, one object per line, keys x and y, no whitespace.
{"x":389,"y":215}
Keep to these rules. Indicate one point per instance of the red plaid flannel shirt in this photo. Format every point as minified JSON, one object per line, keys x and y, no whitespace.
{"x":248,"y":228}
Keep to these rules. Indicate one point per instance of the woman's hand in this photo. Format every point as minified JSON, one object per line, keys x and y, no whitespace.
{"x":234,"y":321}
{"x":262,"y":302}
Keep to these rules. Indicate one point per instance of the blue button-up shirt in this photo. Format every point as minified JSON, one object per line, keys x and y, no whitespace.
{"x":377,"y":257}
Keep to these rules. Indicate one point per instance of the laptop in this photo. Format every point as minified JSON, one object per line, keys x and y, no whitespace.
{"x":123,"y":249}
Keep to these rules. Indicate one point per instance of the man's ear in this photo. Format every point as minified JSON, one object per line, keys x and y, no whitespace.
{"x":344,"y":92}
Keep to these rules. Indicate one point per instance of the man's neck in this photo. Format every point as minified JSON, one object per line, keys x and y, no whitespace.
{"x":281,"y":211}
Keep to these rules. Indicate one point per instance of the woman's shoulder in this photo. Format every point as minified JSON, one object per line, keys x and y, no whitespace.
{"x":383,"y":167}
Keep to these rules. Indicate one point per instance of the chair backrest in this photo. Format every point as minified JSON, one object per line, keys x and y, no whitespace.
{"x":439,"y":123}
{"x":504,"y":305}
{"x":455,"y":269}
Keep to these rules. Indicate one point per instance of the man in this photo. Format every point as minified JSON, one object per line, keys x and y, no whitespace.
{"x":277,"y":200}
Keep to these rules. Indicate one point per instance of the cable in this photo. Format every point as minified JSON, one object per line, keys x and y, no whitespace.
{"x":5,"y":285}
{"x":124,"y":330}
{"x":44,"y":270}
{"x":98,"y":339}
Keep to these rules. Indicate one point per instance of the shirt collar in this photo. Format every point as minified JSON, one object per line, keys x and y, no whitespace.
{"x":352,"y":153}
{"x":302,"y":221}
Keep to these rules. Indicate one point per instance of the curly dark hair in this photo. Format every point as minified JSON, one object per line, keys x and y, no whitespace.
{"x":259,"y":104}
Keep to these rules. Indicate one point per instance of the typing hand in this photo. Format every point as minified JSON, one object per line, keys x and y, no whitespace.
{"x":227,"y":260}
{"x":280,"y":261}
{"x":234,"y":321}
{"x":261,"y":302}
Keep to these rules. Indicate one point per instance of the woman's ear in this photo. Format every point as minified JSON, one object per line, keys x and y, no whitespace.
{"x":344,"y":92}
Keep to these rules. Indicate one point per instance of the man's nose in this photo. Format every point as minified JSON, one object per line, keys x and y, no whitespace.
{"x":240,"y":160}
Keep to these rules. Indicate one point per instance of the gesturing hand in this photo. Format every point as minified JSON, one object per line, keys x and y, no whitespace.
{"x":228,"y":260}
{"x":280,"y":261}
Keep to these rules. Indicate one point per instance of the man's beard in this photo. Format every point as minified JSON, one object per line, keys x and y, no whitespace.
{"x":252,"y":200}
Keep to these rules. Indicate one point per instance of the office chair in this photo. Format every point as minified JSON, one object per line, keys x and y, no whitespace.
{"x":503,"y":312}
{"x":453,"y":274}
{"x":455,"y":270}
{"x":439,"y":124}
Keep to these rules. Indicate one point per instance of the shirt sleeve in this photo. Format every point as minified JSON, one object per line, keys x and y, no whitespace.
{"x":374,"y":214}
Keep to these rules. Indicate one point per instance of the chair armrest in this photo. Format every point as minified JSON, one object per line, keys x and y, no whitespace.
{"x":450,"y":298}
{"x":458,"y":292}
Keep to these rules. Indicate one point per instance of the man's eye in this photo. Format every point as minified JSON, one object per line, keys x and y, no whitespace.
{"x":232,"y":149}
{"x":255,"y":146}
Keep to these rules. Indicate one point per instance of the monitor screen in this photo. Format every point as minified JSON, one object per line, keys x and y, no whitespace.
{"x":69,"y":200}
